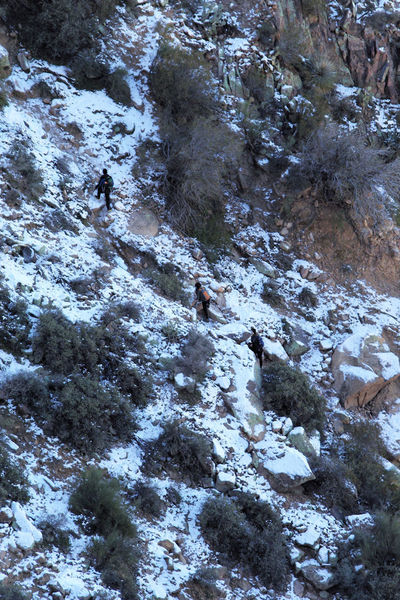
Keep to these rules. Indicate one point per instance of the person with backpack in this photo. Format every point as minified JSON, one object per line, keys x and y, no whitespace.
{"x":204,"y":297}
{"x":256,"y":344}
{"x":105,"y":186}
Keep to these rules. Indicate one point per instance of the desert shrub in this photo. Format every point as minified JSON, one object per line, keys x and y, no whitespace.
{"x":270,"y":295}
{"x":214,"y":237}
{"x":195,"y":355}
{"x":89,"y":416}
{"x":200,"y":158}
{"x":116,"y":557}
{"x":97,"y":499}
{"x":28,"y":178}
{"x":248,"y":532}
{"x":146,"y":499}
{"x":362,"y":451}
{"x":287,"y":391}
{"x":15,"y":326}
{"x":308,"y":298}
{"x":117,"y":87}
{"x":181,"y":83}
{"x":173,"y":496}
{"x":3,"y":99}
{"x":11,"y":591}
{"x":54,"y":30}
{"x":171,"y":332}
{"x":318,"y":72}
{"x":167,"y":279}
{"x":54,"y":533}
{"x":78,"y":410}
{"x":202,"y":585}
{"x":13,"y":481}
{"x":89,"y":71}
{"x":120,"y":310}
{"x":333,"y":484}
{"x":378,"y":551}
{"x":181,"y":450}
{"x":65,"y":347}
{"x":344,"y":171}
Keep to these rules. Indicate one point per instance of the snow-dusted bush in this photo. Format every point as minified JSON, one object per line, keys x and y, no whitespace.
{"x":307,"y":297}
{"x":54,"y":533}
{"x":98,"y":350}
{"x":15,"y":325}
{"x":97,"y":499}
{"x":168,"y":280}
{"x":23,"y":172}
{"x":79,"y":410}
{"x":181,"y":83}
{"x":378,"y":550}
{"x":248,"y":532}
{"x":182,"y":451}
{"x":13,"y":481}
{"x":146,"y":499}
{"x":270,"y":294}
{"x":287,"y":391}
{"x":202,"y":585}
{"x":345,"y":171}
{"x":117,"y":557}
{"x":89,"y":71}
{"x":121,"y":310}
{"x":333,"y":484}
{"x":195,"y":356}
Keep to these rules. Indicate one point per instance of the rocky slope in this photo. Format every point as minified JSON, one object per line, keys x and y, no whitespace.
{"x":61,"y":250}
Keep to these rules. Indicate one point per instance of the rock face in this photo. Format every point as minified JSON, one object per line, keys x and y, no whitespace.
{"x":363,"y":366}
{"x":5,"y":67}
{"x":287,"y":471}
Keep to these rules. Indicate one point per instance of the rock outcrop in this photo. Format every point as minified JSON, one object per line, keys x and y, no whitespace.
{"x":5,"y":66}
{"x":363,"y":366}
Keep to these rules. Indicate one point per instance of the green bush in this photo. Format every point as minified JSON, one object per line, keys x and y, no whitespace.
{"x":171,"y":332}
{"x":378,"y":551}
{"x":116,"y":557}
{"x":147,"y":499}
{"x":195,"y":356}
{"x":287,"y":391}
{"x":248,"y":532}
{"x":13,"y":480}
{"x":58,"y":30}
{"x":333,"y":484}
{"x":78,"y":410}
{"x":121,"y":310}
{"x":182,"y":451}
{"x":10,"y":591}
{"x":99,"y":351}
{"x":117,"y":87}
{"x":89,"y":71}
{"x":202,"y":585}
{"x":167,"y":280}
{"x":54,"y":534}
{"x":96,"y":498}
{"x":15,"y":326}
{"x":181,"y":83}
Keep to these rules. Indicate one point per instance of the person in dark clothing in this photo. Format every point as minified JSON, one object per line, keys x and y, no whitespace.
{"x":257,"y":345}
{"x":204,"y":297}
{"x":105,"y":186}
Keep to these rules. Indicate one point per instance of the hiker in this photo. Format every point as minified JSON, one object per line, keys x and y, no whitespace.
{"x":105,"y":186}
{"x":256,"y":344}
{"x":202,"y":296}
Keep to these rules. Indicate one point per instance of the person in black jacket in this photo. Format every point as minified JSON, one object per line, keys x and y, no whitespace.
{"x":201,"y":295}
{"x":105,"y":186}
{"x":257,"y":345}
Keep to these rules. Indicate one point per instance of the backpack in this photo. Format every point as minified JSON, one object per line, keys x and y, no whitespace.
{"x":204,"y":296}
{"x":258,"y":344}
{"x":109,"y":182}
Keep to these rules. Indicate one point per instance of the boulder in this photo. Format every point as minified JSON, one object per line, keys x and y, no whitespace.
{"x":184,"y":382}
{"x":263,"y":267}
{"x":362,"y":366}
{"x":321,"y":578}
{"x":225,"y":481}
{"x":218,"y":453}
{"x":249,"y":411}
{"x":287,"y":426}
{"x":5,"y":66}
{"x":288,"y":471}
{"x":224,"y":383}
{"x":216,"y":314}
{"x":274,"y":350}
{"x":23,"y":62}
{"x":23,"y":524}
{"x":296,"y":348}
{"x":143,"y":222}
{"x":309,"y":538}
{"x":300,"y":440}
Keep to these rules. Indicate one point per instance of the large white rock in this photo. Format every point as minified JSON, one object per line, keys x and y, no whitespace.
{"x":362,"y":366}
{"x":218,"y":453}
{"x":184,"y":382}
{"x":288,"y":471}
{"x":24,"y":540}
{"x":23,"y":523}
{"x":274,"y":350}
{"x":310,"y":538}
{"x":225,"y":481}
{"x":321,"y":577}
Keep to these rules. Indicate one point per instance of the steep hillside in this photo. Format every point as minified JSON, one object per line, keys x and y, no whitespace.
{"x":144,"y":452}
